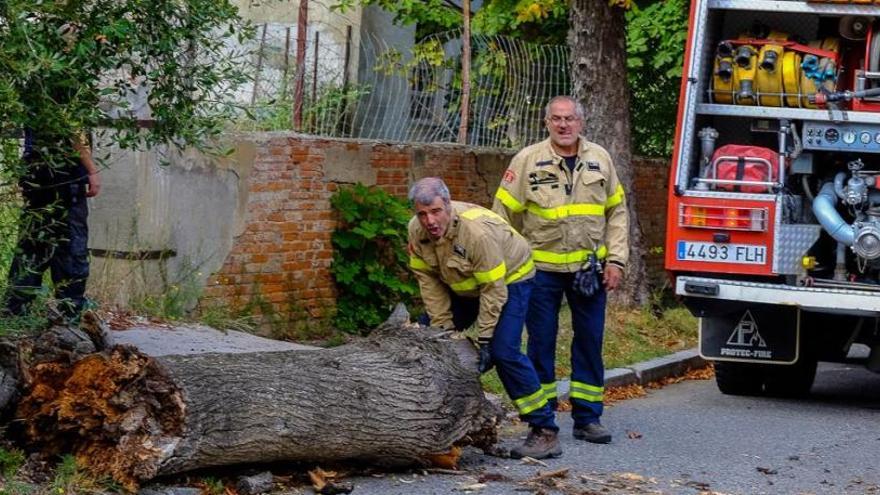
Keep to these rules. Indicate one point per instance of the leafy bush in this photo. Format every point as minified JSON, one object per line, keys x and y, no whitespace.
{"x":369,"y":259}
{"x":655,"y":39}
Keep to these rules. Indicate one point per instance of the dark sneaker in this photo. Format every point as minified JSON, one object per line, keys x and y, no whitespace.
{"x":542,"y":443}
{"x":593,"y":432}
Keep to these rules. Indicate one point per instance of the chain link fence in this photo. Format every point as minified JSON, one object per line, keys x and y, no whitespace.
{"x":364,"y":85}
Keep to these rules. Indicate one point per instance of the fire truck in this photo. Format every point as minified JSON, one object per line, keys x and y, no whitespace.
{"x":773,"y":233}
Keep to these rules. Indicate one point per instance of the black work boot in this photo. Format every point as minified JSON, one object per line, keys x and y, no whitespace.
{"x":540,"y":444}
{"x":593,"y":432}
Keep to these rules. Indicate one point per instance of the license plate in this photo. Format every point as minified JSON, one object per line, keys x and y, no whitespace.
{"x":751,"y":254}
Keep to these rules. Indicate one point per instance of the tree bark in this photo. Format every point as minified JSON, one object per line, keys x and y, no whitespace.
{"x":597,"y":39}
{"x":396,"y":398}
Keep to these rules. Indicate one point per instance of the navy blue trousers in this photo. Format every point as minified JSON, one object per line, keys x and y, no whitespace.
{"x":588,"y":323}
{"x":54,"y":236}
{"x":515,"y":370}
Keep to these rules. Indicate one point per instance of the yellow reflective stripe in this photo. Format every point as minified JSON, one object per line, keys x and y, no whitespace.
{"x":615,"y":198}
{"x":586,"y":392}
{"x":480,"y":212}
{"x":567,"y":210}
{"x":521,"y":271}
{"x":587,"y":386}
{"x":464,"y":285}
{"x":566,"y":258}
{"x":492,"y":275}
{"x":549,"y":390}
{"x":417,"y":263}
{"x":509,"y":201}
{"x":531,"y":402}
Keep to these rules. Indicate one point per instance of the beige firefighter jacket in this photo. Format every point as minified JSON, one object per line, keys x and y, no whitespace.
{"x":565,"y":216}
{"x":477,"y":257}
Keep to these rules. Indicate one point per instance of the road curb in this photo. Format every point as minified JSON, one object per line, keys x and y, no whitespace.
{"x":672,"y":365}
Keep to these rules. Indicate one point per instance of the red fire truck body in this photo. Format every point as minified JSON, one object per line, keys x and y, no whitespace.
{"x":773,"y":233}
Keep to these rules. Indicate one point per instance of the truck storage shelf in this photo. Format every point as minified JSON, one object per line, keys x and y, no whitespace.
{"x":815,"y":298}
{"x":788,"y":113}
{"x":795,"y":7}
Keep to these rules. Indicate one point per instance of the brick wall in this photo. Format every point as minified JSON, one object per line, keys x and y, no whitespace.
{"x":650,"y":181}
{"x":280,"y":264}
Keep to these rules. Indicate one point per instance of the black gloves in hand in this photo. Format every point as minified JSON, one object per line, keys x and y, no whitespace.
{"x":486,"y":362}
{"x":588,"y":280}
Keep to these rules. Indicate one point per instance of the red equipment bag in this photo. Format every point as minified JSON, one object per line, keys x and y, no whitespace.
{"x":746,"y":163}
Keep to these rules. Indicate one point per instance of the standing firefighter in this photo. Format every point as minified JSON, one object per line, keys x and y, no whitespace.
{"x":54,"y":233}
{"x":472,"y":266}
{"x":564,"y":196}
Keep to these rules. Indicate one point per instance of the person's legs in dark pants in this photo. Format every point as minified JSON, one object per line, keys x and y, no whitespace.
{"x":37,"y":238}
{"x":519,"y":378}
{"x":587,"y":367}
{"x":70,"y":265}
{"x":542,"y":323}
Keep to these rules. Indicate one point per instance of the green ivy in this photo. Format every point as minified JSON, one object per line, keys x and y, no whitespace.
{"x":655,"y":39}
{"x":369,"y":258}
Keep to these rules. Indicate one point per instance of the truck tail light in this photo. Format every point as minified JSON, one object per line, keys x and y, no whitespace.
{"x":723,"y":217}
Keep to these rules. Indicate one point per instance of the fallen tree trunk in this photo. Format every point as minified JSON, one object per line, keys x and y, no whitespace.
{"x":396,"y":398}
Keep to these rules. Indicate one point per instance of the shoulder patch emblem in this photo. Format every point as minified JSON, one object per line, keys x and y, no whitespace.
{"x":459,"y":250}
{"x":509,"y":176}
{"x":593,"y":166}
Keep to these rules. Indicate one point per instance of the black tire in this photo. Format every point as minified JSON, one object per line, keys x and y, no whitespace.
{"x":738,"y":378}
{"x":794,"y":380}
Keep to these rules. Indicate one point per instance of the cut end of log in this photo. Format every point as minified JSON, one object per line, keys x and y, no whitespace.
{"x":116,"y":412}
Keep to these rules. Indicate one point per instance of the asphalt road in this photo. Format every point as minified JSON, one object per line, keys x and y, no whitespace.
{"x":688,"y":438}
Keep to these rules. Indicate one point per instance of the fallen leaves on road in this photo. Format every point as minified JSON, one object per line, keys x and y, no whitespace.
{"x":764,"y":470}
{"x":446,"y":460}
{"x":704,"y":373}
{"x":626,"y":392}
{"x":620,"y":483}
{"x":472,"y":487}
{"x":633,"y":435}
{"x":486,"y":477}
{"x":532,"y":461}
{"x":324,"y":482}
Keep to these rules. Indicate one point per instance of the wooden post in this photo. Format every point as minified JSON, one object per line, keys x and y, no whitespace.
{"x":465,"y":72}
{"x":314,"y":119}
{"x":259,"y":66}
{"x":302,"y":32}
{"x":284,"y":85}
{"x":346,"y":104}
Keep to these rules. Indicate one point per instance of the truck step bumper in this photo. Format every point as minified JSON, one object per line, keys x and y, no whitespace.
{"x":836,"y":300}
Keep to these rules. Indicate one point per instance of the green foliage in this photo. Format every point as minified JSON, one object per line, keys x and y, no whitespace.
{"x":212,"y":486}
{"x":369,"y":258}
{"x":655,"y":39}
{"x":70,"y":479}
{"x":11,"y":461}
{"x":544,"y":21}
{"x":69,"y":66}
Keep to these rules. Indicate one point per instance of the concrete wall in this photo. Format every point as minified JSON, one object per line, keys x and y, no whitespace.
{"x":254,"y":230}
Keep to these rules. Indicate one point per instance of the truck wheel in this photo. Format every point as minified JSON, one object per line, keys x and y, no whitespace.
{"x":738,"y":378}
{"x":791,"y":381}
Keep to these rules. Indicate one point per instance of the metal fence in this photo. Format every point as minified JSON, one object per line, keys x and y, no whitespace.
{"x":363,"y":85}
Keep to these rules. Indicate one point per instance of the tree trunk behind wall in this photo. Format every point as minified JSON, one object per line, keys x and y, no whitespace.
{"x":598,"y":72}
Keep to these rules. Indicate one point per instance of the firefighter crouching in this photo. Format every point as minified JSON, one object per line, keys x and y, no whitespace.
{"x":472,"y":266}
{"x":564,"y":196}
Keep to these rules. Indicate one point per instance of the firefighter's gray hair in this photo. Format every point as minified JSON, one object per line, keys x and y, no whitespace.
{"x":578,"y":108}
{"x":425,"y":190}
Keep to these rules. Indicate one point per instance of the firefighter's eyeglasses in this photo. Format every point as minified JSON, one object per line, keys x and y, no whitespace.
{"x":557,"y":120}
